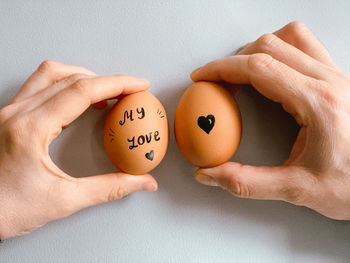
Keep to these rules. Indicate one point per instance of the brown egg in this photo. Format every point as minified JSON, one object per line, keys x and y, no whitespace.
{"x":208,"y":124}
{"x":136,"y":133}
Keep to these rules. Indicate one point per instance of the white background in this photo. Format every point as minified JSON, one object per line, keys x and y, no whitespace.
{"x":164,"y":41}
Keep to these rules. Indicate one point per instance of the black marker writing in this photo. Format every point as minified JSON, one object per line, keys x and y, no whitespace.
{"x":156,"y":135}
{"x":132,"y":146}
{"x":129,"y":115}
{"x":142,"y":139}
{"x":142,"y":112}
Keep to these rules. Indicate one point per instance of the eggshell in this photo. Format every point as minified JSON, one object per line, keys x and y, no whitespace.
{"x":136,"y":133}
{"x":208,"y":124}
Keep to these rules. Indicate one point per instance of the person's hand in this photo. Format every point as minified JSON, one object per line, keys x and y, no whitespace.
{"x":292,"y":67}
{"x":33,"y":190}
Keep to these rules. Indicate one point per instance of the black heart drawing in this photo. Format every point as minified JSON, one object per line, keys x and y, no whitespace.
{"x":206,"y":123}
{"x":150,"y":155}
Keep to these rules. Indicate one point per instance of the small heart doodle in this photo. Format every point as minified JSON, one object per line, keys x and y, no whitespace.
{"x":206,"y":123}
{"x":150,"y":155}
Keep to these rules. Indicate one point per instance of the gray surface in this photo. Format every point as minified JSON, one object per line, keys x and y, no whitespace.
{"x":164,"y":41}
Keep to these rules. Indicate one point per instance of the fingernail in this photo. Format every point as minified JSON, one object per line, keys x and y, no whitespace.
{"x":195,"y":71}
{"x":143,"y":81}
{"x":205,"y":179}
{"x":149,"y":187}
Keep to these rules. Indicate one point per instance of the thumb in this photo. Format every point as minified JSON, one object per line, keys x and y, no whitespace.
{"x":93,"y":190}
{"x":257,"y":182}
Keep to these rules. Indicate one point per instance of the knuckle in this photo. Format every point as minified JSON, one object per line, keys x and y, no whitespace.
{"x":117,"y":193}
{"x":297,"y":28}
{"x":73,"y":78}
{"x":331,"y":99}
{"x":77,"y":76}
{"x":235,"y":184}
{"x":259,"y":61}
{"x":46,"y":66}
{"x":239,"y":188}
{"x":266,"y":42}
{"x":328,"y":94}
{"x":334,"y":109}
{"x":293,"y":195}
{"x":80,"y":86}
{"x":295,"y":188}
{"x":14,"y":133}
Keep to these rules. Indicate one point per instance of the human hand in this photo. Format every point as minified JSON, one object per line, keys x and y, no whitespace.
{"x":33,"y":190}
{"x":292,"y":67}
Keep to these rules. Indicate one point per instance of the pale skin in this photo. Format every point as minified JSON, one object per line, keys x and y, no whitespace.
{"x":289,"y":66}
{"x":293,"y":68}
{"x":33,"y":190}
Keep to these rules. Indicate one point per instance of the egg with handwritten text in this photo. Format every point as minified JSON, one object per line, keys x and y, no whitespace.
{"x":208,"y":124}
{"x":136,"y":133}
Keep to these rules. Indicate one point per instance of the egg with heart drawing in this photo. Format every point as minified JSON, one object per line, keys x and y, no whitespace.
{"x":207,"y":124}
{"x":136,"y":133}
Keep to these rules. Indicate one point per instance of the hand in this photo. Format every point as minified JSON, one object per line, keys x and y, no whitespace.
{"x":292,"y":67}
{"x":33,"y":190}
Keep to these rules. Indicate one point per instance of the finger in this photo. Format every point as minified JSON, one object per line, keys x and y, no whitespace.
{"x":293,"y":57}
{"x":270,"y":77}
{"x":71,"y":102}
{"x":93,"y":190}
{"x":299,"y":35}
{"x":273,"y":183}
{"x":45,"y":94}
{"x":47,"y":74}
